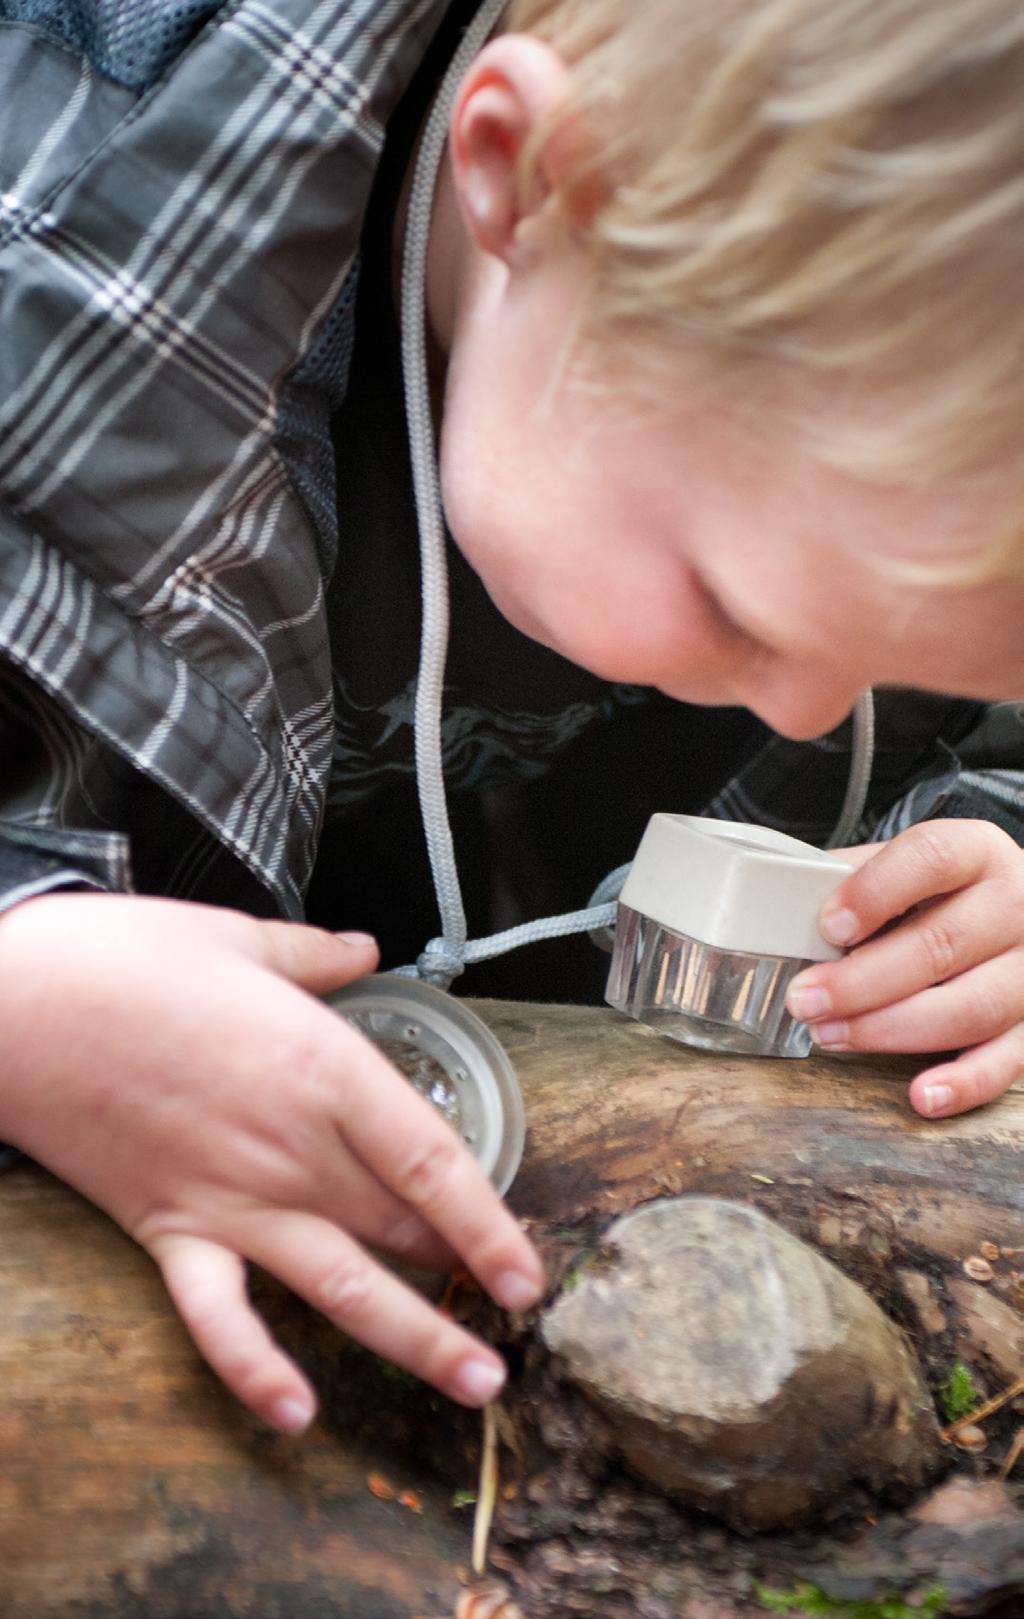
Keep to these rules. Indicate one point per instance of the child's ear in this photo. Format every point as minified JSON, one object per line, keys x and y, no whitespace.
{"x":511,"y":87}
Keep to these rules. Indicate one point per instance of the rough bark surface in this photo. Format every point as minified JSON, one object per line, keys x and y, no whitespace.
{"x":132,"y":1485}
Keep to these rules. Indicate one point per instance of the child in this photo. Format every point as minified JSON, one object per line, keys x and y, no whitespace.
{"x":723,"y":332}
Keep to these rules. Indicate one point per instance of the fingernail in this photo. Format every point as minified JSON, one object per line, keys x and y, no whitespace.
{"x":809,"y":1003}
{"x":515,"y":1291}
{"x":291,"y":1416}
{"x":832,"y":1036}
{"x":478,"y":1381}
{"x":839,"y":927}
{"x":358,"y":941}
{"x":937,"y":1098}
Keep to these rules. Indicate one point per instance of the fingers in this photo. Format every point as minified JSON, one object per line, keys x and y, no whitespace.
{"x":338,"y":1278}
{"x":978,"y":1005}
{"x":398,"y":1176}
{"x":355,"y":1201}
{"x":932,"y":858}
{"x":313,"y":958}
{"x":929,"y":947}
{"x":207,"y":1284}
{"x":858,"y":854}
{"x":421,"y":1160}
{"x":410,"y":1240}
{"x":976,"y":1077}
{"x":338,"y":1186}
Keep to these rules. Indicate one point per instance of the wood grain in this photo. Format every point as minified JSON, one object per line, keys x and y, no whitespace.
{"x":133,"y":1485}
{"x":619,"y":1115}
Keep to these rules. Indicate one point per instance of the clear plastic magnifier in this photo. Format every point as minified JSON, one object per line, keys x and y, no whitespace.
{"x":715,"y":920}
{"x":450,"y":1057}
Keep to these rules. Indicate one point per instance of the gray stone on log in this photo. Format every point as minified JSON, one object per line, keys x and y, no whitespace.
{"x":738,"y":1368}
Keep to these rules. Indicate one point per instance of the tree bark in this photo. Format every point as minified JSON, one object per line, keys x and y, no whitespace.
{"x":830,"y":1146}
{"x":133,"y":1485}
{"x":831,"y":1150}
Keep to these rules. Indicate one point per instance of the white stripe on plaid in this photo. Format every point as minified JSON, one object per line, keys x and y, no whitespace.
{"x":256,"y":827}
{"x":193,"y":597}
{"x":152,"y":325}
{"x":1005,"y":785}
{"x":987,"y":795}
{"x":147,"y":755}
{"x":211,"y":208}
{"x":214,"y":494}
{"x":218,"y":574}
{"x":187,"y":600}
{"x":305,"y":65}
{"x":22,"y":218}
{"x":13,"y":209}
{"x":52,"y":880}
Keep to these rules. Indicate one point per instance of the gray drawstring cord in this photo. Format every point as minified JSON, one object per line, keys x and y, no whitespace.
{"x":862,"y":758}
{"x":445,"y":957}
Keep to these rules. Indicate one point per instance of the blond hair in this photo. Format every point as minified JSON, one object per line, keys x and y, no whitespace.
{"x":824,"y":197}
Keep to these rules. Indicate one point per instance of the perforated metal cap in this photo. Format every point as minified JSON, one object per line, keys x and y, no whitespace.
{"x":451,"y":1057}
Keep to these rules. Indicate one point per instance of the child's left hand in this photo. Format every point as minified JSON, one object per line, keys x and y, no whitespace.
{"x":949,"y":973}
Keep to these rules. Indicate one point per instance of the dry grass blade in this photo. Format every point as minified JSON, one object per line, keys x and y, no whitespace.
{"x":487,"y":1494}
{"x":986,"y":1410}
{"x":1015,"y":1453}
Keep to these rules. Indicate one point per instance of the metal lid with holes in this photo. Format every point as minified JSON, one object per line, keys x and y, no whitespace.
{"x":451,"y":1057}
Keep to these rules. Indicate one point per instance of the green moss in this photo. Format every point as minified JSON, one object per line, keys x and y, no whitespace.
{"x":581,"y":1262}
{"x":817,"y":1604}
{"x":958,"y":1394}
{"x":572,"y":1278}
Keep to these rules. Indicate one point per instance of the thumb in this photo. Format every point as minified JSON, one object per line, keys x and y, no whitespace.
{"x":857,"y":855}
{"x":314,"y":958}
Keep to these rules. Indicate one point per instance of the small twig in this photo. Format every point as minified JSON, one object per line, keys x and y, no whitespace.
{"x":488,"y":1491}
{"x":986,"y":1410}
{"x":1016,"y":1452}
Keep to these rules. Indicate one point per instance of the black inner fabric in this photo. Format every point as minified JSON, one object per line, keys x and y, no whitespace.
{"x":552,"y":773}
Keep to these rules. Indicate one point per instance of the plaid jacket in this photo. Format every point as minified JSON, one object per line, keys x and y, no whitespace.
{"x":181,"y":195}
{"x":180,"y":209}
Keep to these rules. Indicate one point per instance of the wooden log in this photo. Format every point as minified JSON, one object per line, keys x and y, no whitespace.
{"x":831,"y":1149}
{"x":830,"y":1146}
{"x":133,"y":1485}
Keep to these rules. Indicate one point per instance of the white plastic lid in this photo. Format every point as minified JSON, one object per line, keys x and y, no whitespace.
{"x":734,"y":886}
{"x":465,"y":1071}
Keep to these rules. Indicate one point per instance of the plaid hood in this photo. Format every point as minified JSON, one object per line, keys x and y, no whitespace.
{"x":177,"y":269}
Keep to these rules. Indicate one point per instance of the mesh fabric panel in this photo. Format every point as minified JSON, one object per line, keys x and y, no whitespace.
{"x":131,"y":41}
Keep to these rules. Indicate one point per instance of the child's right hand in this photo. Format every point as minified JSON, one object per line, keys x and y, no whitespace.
{"x":171,"y":1062}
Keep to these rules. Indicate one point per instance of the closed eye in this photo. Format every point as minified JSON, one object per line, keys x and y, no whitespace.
{"x":723,"y":621}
